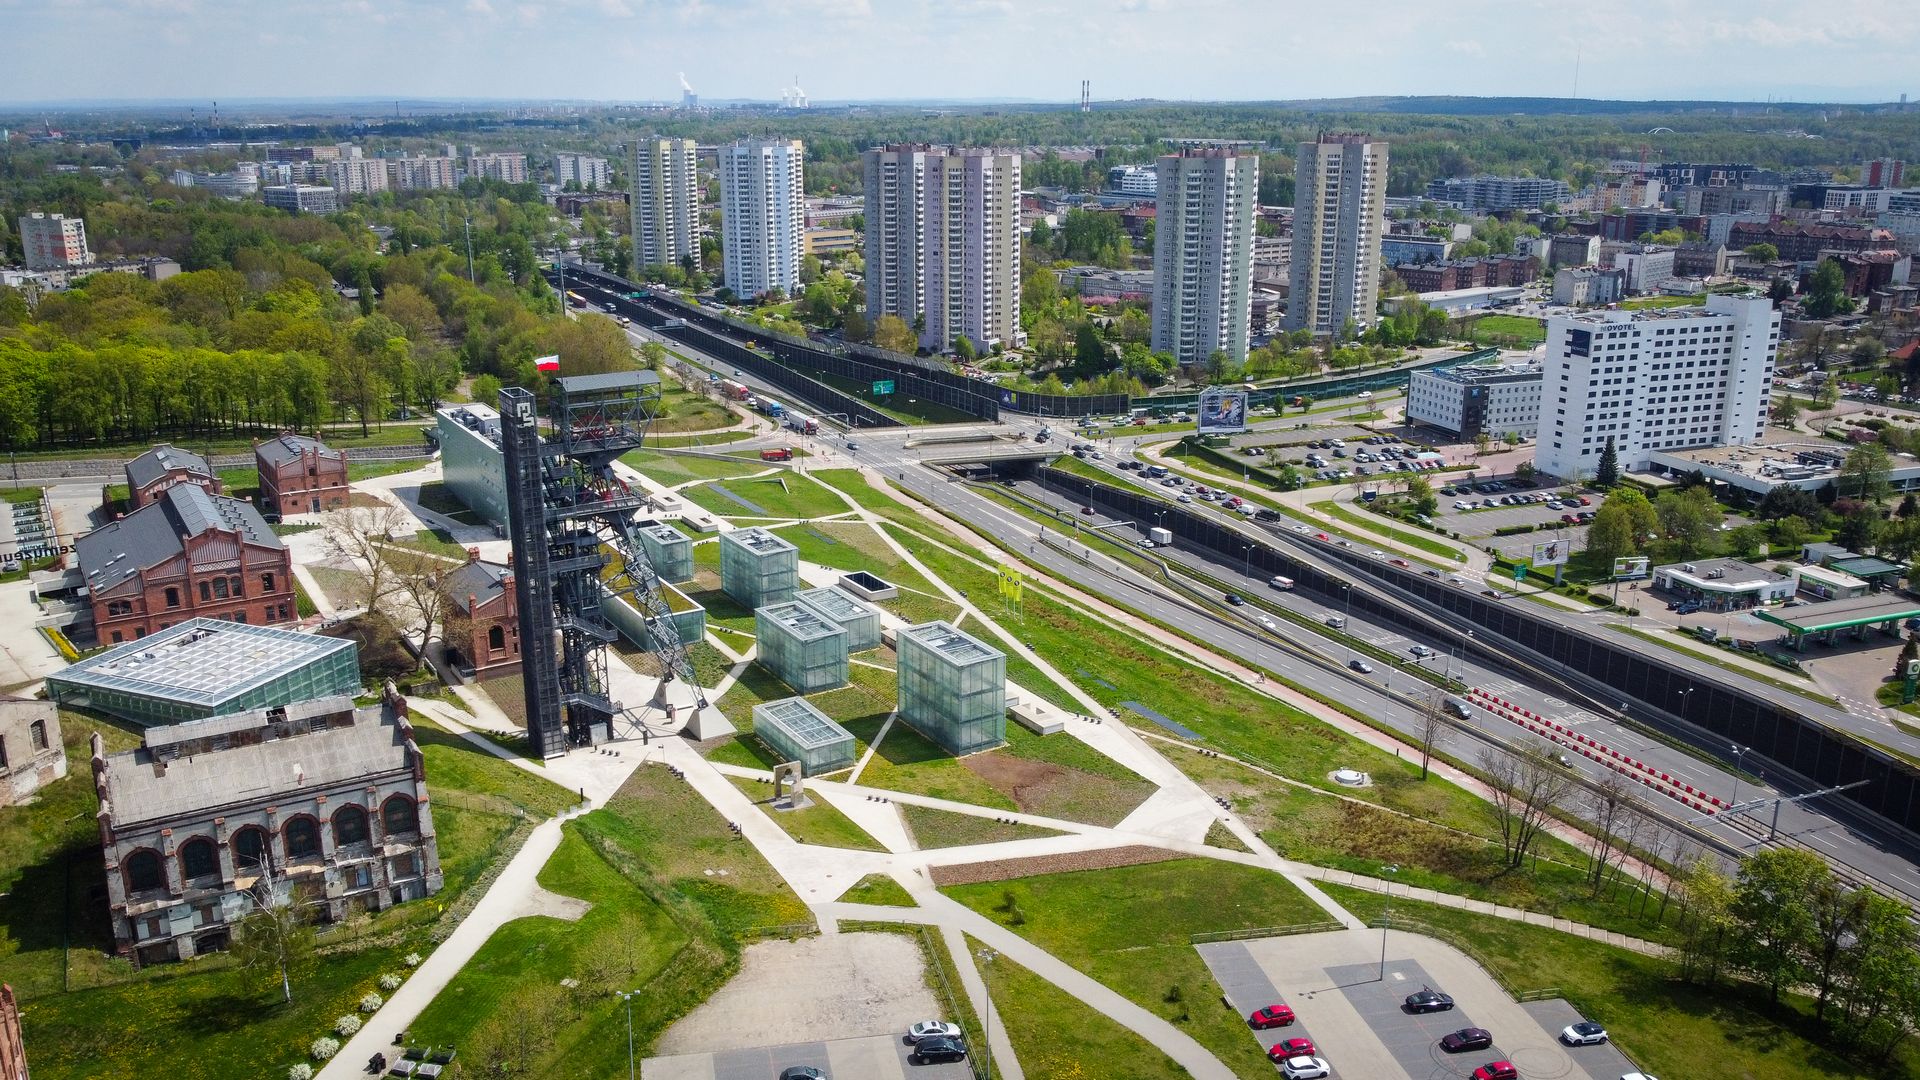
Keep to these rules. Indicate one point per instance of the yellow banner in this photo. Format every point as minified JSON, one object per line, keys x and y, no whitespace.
{"x":1010,"y":584}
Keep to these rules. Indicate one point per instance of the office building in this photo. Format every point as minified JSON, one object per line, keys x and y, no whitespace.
{"x":356,"y":176}
{"x":243,"y":181}
{"x":31,"y":753}
{"x":504,"y":167}
{"x":584,"y":171}
{"x":1588,"y":286}
{"x":423,"y":173}
{"x":1499,"y":193}
{"x":1656,"y":380}
{"x":970,"y":248}
{"x":329,"y":797}
{"x":54,"y":241}
{"x":1203,"y":252}
{"x":1340,"y":193}
{"x":763,"y":214}
{"x":1573,"y":249}
{"x":1497,"y":400}
{"x":666,"y":202}
{"x":300,"y":198}
{"x":1397,"y":249}
{"x":1647,"y":267}
{"x":1139,"y":181}
{"x":471,"y":462}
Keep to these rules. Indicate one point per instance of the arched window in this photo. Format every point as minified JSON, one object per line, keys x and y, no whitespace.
{"x":497,"y":639}
{"x":349,"y":826}
{"x":303,"y":838}
{"x":400,"y":815}
{"x":144,"y":872}
{"x":198,"y":859}
{"x":249,"y":847}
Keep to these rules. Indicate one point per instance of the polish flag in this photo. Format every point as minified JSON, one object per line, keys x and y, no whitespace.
{"x":547,"y":363}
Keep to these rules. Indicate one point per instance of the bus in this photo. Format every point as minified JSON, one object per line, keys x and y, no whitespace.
{"x":575,"y":299}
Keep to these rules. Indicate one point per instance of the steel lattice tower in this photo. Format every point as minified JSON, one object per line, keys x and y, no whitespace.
{"x":571,"y":521}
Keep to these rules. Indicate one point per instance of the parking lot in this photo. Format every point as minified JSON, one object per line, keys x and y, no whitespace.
{"x":1353,"y":1005}
{"x":875,"y":1057}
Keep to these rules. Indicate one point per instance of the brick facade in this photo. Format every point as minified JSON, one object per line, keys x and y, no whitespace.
{"x":163,"y":467}
{"x":31,"y":753}
{"x":13,"y":1048}
{"x":299,"y":475}
{"x":485,"y":626}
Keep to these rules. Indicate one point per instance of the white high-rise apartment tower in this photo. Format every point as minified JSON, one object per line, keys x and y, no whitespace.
{"x":893,"y":179}
{"x":1203,"y":252}
{"x":943,"y":242}
{"x":1339,"y":209}
{"x":763,"y":214}
{"x":666,"y":202}
{"x":54,"y":241}
{"x":589,"y":173}
{"x":1663,"y":379}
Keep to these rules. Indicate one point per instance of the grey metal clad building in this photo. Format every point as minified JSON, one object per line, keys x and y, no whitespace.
{"x":953,"y":688}
{"x":669,"y":550}
{"x":1498,"y":400}
{"x":472,"y":465}
{"x":208,"y":667}
{"x":860,"y":619}
{"x":758,"y":568}
{"x":799,"y":732}
{"x":806,"y":651}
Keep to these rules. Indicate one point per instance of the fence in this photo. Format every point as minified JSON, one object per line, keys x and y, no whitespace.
{"x":1320,"y":389}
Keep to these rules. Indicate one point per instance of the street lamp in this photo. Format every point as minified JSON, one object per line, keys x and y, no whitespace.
{"x":987,"y":957}
{"x":628,"y":996}
{"x":1246,"y":560}
{"x":1739,"y":753}
{"x":1347,"y":588}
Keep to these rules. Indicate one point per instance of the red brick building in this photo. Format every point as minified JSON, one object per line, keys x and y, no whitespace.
{"x":161,"y":468}
{"x":299,"y":475}
{"x":485,"y":629}
{"x":1491,"y":271}
{"x":185,"y":555}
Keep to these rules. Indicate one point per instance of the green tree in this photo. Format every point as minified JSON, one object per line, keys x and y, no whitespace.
{"x":1607,"y":475}
{"x":1865,"y":474}
{"x":1773,"y":905}
{"x":1689,"y":520}
{"x":963,"y":348}
{"x":1762,"y":252}
{"x":1420,"y":496}
{"x":1827,"y":291}
{"x":273,"y":940}
{"x":1786,"y":411}
{"x":486,"y":389}
{"x":1090,"y":356}
{"x":890,"y":332}
{"x":1710,"y":927}
{"x":1611,"y":536}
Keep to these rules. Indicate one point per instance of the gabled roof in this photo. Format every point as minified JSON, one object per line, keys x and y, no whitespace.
{"x":159,"y":530}
{"x":285,"y":448}
{"x":479,"y":579}
{"x":162,"y":460}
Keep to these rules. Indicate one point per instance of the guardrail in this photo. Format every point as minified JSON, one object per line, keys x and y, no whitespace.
{"x":1251,"y":933}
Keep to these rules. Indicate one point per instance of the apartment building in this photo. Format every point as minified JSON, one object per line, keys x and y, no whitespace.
{"x":357,"y":176}
{"x":1499,"y":193}
{"x":1654,"y":381}
{"x":1203,"y":252}
{"x":763,"y":214}
{"x":893,"y":181}
{"x":585,"y":171}
{"x":504,"y":167}
{"x":300,"y":198}
{"x":1497,"y":400}
{"x":1139,"y":181}
{"x":1340,"y":204}
{"x":943,"y":241}
{"x":423,"y":173}
{"x":666,"y":202}
{"x":54,"y":241}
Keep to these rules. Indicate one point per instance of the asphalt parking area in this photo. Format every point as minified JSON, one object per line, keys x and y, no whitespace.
{"x":875,"y":1057}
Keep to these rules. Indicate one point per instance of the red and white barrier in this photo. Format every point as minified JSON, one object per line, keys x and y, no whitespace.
{"x":1593,"y":750}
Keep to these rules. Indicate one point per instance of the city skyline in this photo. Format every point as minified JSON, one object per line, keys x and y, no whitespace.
{"x":753,"y":49}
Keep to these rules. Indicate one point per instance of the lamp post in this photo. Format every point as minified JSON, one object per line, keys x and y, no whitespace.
{"x":986,"y":1018}
{"x":1347,"y":588}
{"x":1246,"y":560}
{"x":628,"y":996}
{"x":1739,"y":754}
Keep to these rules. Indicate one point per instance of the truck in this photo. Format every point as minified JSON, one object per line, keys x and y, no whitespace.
{"x":772,"y":408}
{"x":1160,"y":537}
{"x":783,"y":453}
{"x":734,"y":390}
{"x":802,"y":423}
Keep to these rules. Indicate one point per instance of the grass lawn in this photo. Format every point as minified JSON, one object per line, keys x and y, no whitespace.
{"x":754,"y":686}
{"x":1386,"y":526}
{"x":932,"y":828}
{"x":509,"y":693}
{"x":1129,"y":927}
{"x":439,"y":498}
{"x":819,"y":824}
{"x":852,"y":545}
{"x":367,"y":470}
{"x":909,"y":761}
{"x":1528,"y":331}
{"x":855,"y":485}
{"x":1218,"y":835}
{"x":674,"y":469}
{"x":878,"y":889}
{"x":1067,"y":463}
{"x":1671,"y":1028}
{"x":682,"y":410}
{"x":715,"y":439}
{"x":1060,"y":776}
{"x":1664,"y":301}
{"x":789,"y":495}
{"x":1055,"y":1035}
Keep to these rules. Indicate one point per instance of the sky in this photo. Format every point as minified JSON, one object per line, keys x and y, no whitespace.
{"x":839,"y":50}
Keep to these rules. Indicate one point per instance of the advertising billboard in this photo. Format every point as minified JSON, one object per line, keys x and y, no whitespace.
{"x":1221,"y":411}
{"x":1550,"y":552}
{"x":1630,"y":568}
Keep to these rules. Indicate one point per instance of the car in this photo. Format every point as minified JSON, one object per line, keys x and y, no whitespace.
{"x":1584,"y":501}
{"x":1145,"y":542}
{"x":1305,"y":1068}
{"x":1458,"y":505}
{"x":1554,"y":505}
{"x":1088,"y":510}
{"x":1421,"y":651}
{"x":937,"y":1048}
{"x":1266,"y":515}
{"x":1234,"y":599}
{"x":801,"y":1072}
{"x":1290,"y":1048}
{"x":1496,"y":1070}
{"x":1426,"y":1000}
{"x":1569,"y":519}
{"x":1301,"y":529}
{"x":1247,"y":509}
{"x":1265,"y":622}
{"x":1466,"y":1039}
{"x":927,"y":1029}
{"x":1376,"y":553}
{"x":1401,"y":563}
{"x":1183,"y":497}
{"x":1270,"y":1016}
{"x":1360,"y":666}
{"x":852,"y":447}
{"x":1584,"y":1033}
{"x":1321,"y":536}
{"x":1430,"y":572}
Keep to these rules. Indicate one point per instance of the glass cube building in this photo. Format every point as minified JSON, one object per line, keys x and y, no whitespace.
{"x":806,"y":651}
{"x":209,"y":667}
{"x":953,"y":688}
{"x":860,"y":619}
{"x":669,"y":550}
{"x":758,"y":568}
{"x":799,"y":732}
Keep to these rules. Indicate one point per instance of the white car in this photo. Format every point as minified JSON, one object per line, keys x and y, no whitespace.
{"x":1301,"y":529}
{"x":1305,"y":1068}
{"x":1584,"y":1033}
{"x":927,"y":1029}
{"x":1184,"y":497}
{"x":1266,"y":622}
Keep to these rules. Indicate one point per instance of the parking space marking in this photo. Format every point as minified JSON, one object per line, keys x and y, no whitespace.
{"x":1604,"y":1059}
{"x":1412,"y":1038}
{"x":1247,"y":987}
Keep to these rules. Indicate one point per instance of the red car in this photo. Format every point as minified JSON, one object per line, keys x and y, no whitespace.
{"x":1584,"y":501}
{"x":1291,"y":1048}
{"x":1569,"y":519}
{"x":1272,"y":1016}
{"x":1401,"y":563}
{"x":1321,"y":536}
{"x":1496,"y":1070}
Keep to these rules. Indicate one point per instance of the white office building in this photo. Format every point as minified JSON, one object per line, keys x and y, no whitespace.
{"x":1139,"y":181}
{"x":1203,"y":252}
{"x":586,"y":172}
{"x":1657,"y":380}
{"x":763,"y":214}
{"x":666,"y":202}
{"x":1340,"y":209}
{"x":1497,"y":400}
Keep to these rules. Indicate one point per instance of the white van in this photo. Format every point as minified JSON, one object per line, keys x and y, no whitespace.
{"x":1335,"y":621}
{"x":1279,"y":582}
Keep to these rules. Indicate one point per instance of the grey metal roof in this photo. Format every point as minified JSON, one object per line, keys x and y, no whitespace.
{"x":808,"y":726}
{"x":201,"y":661}
{"x":835,"y":604}
{"x":610,"y":380}
{"x":480,"y":579}
{"x":162,"y":460}
{"x":157,"y":532}
{"x":285,"y":448}
{"x":954,"y":645}
{"x":280,"y":769}
{"x":229,"y":723}
{"x":799,"y":620}
{"x":758,"y":540}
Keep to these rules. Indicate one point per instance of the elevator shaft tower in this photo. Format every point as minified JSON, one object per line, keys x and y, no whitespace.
{"x":571,"y":520}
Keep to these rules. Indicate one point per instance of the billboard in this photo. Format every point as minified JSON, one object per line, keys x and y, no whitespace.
{"x":1221,"y":411}
{"x":1630,"y":568}
{"x":1550,"y":552}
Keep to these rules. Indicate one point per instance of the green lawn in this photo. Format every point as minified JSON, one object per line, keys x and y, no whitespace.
{"x":854,"y":485}
{"x":1061,"y":777}
{"x":1528,"y":331}
{"x":1671,"y":1028}
{"x":909,"y":761}
{"x":818,"y":824}
{"x":878,"y":889}
{"x":1385,"y":526}
{"x":932,"y":828}
{"x":367,"y":470}
{"x":1664,"y":301}
{"x":1130,"y":927}
{"x":672,"y":469}
{"x":789,"y":495}
{"x":1055,"y":1035}
{"x":715,"y":439}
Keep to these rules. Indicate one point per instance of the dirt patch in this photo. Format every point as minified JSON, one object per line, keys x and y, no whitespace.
{"x":1050,"y":790}
{"x":1008,"y":869}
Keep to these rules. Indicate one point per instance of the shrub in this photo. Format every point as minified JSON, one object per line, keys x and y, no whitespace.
{"x":302,"y":1071}
{"x":389,"y":982}
{"x":324,"y":1048}
{"x":346,"y":1026}
{"x":371,"y":1003}
{"x":414,"y":959}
